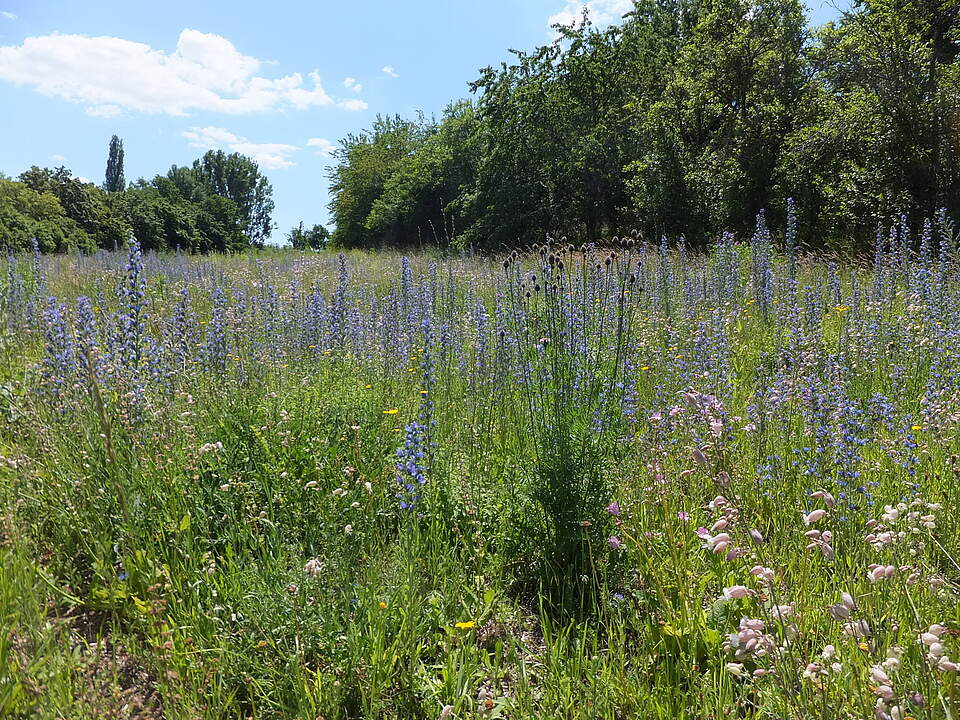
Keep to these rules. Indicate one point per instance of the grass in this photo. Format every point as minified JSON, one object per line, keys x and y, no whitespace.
{"x":204,"y":516}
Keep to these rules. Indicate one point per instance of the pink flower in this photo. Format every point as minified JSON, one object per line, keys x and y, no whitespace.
{"x":614,"y":542}
{"x":827,"y":498}
{"x":683,"y":515}
{"x":613,"y":508}
{"x":884,"y":691}
{"x":763,"y":574}
{"x":881,"y":572}
{"x":737,"y":592}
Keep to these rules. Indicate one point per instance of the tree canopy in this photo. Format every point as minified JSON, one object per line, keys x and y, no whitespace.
{"x":220,"y":203}
{"x":688,"y":117}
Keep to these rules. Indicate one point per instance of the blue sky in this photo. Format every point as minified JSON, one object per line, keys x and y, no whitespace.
{"x":280,"y":81}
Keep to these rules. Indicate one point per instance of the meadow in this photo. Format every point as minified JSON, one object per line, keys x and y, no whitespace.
{"x":623,"y":480}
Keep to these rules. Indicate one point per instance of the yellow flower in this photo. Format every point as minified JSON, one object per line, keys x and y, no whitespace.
{"x":393,"y":411}
{"x":368,"y":386}
{"x":916,"y":427}
{"x":465,"y":625}
{"x":424,"y":392}
{"x":383,"y":605}
{"x":645,"y":368}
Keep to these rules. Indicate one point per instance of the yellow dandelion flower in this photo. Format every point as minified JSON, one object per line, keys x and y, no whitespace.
{"x":383,"y":605}
{"x":645,"y":368}
{"x":465,"y":625}
{"x":916,"y":427}
{"x":392,"y":411}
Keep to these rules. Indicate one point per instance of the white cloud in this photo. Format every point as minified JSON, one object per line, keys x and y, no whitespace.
{"x":323,"y":146}
{"x":352,"y":84}
{"x":273,"y":156}
{"x":8,"y":15}
{"x":388,"y":69}
{"x":352,"y":104}
{"x":60,"y":159}
{"x":110,"y":75}
{"x":601,"y":12}
{"x":85,"y":180}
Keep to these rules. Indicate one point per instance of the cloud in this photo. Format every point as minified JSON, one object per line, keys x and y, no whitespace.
{"x":205,"y":72}
{"x":352,"y":104}
{"x":323,"y":146}
{"x":601,"y":12}
{"x":352,"y":84}
{"x":388,"y":69}
{"x":59,"y":159}
{"x":8,"y":15}
{"x":273,"y":156}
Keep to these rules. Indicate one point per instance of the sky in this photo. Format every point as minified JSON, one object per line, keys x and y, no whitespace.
{"x":280,"y":81}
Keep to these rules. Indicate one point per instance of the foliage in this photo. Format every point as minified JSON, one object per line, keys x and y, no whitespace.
{"x":366,"y":162}
{"x":220,"y":204}
{"x":237,"y":178}
{"x":686,"y":117}
{"x":114,"y":180}
{"x":314,"y":238}
{"x":625,"y":482}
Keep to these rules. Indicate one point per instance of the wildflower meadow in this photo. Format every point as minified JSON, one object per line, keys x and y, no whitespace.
{"x":619,"y":480}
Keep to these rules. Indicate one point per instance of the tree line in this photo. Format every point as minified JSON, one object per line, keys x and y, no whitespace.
{"x":219,"y":203}
{"x":689,"y":117}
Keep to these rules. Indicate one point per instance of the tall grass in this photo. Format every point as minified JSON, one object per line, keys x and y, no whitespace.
{"x":627,"y":481}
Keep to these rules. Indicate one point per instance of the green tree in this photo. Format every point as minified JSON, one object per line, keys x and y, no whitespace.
{"x":365,"y":162}
{"x":314,"y":238}
{"x":26,"y":214}
{"x":114,"y":181}
{"x":237,"y":178}
{"x":881,"y":131}
{"x":84,"y":203}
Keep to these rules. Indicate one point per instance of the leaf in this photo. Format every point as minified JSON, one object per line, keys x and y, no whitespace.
{"x":185,"y":523}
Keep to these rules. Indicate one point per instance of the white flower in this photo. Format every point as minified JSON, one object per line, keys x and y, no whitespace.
{"x":736,"y":669}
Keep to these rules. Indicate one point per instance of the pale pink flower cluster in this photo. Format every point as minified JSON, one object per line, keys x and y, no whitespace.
{"x":876,"y":573}
{"x":750,"y":640}
{"x":821,"y":540}
{"x":936,"y":654}
{"x":826,"y":665}
{"x":737,"y":592}
{"x":900,"y":521}
{"x":721,"y":543}
{"x":842,"y":612}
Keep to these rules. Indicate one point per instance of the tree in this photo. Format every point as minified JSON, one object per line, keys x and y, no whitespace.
{"x":237,"y":178}
{"x":314,"y":238}
{"x":365,"y":163}
{"x":92,"y":209}
{"x":881,"y":119}
{"x":114,"y":181}
{"x":26,"y":214}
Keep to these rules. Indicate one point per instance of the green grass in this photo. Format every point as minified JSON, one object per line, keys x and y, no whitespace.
{"x":146,"y":576}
